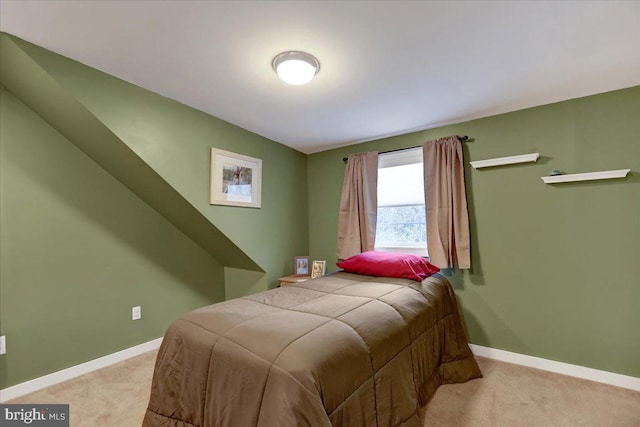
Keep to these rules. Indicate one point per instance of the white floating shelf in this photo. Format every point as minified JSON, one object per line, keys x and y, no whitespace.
{"x":620,"y":173}
{"x":523,"y":158}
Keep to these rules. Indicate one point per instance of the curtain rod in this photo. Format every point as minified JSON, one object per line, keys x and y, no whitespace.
{"x":464,"y":138}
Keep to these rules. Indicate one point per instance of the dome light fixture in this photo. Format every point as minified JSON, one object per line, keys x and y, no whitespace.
{"x":295,"y":67}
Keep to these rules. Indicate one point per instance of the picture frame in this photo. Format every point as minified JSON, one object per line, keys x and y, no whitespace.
{"x":235,"y":179}
{"x":301,"y":266}
{"x":318,"y":269}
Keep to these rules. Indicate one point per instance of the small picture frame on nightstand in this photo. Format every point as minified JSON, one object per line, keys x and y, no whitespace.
{"x":301,"y":266}
{"x":318,"y":269}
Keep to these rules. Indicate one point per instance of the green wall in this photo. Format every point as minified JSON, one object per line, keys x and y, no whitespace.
{"x":78,"y":250}
{"x":179,"y":252}
{"x":556,"y":269}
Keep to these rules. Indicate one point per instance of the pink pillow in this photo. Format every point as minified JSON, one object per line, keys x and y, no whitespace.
{"x":389,"y":264}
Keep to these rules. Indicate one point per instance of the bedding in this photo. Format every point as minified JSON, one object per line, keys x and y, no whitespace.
{"x":340,"y":350}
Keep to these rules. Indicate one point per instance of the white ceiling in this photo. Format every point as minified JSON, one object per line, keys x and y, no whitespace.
{"x":386,"y":67}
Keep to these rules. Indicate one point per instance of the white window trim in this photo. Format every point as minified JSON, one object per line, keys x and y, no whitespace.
{"x":415,"y":250}
{"x":400,"y":158}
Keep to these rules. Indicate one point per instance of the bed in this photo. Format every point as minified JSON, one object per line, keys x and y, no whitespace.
{"x":340,"y":350}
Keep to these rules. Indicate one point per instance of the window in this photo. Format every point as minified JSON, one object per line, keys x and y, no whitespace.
{"x":401,"y":225}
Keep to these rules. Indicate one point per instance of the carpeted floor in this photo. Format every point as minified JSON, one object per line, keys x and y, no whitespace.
{"x":508,"y":395}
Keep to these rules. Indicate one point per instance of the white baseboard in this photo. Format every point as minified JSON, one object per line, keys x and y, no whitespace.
{"x":605,"y":377}
{"x":36,"y":384}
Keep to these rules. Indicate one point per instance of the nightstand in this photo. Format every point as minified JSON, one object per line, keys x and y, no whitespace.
{"x":287,"y":280}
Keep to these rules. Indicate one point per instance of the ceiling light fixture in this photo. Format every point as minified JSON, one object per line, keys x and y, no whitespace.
{"x":295,"y":67}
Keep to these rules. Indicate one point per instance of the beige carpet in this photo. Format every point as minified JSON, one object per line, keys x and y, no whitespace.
{"x":508,"y":395}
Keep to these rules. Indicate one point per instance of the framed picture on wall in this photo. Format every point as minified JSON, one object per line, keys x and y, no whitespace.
{"x":236,"y":180}
{"x":318,"y":269}
{"x":301,"y":266}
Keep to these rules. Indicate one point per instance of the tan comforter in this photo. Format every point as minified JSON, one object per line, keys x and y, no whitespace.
{"x":342,"y":350}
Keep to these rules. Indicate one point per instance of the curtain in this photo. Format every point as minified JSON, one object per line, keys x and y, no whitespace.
{"x":446,"y":203}
{"x":358,"y":205}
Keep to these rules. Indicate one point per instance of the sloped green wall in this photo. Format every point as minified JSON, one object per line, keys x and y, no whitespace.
{"x":44,"y":95}
{"x":556,"y":269}
{"x":175,"y":140}
{"x":107,"y":118}
{"x":78,"y":250}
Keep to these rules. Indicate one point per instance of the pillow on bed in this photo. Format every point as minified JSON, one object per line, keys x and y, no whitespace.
{"x":389,"y":264}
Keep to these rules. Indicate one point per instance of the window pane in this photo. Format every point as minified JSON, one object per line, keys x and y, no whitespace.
{"x":401,"y":226}
{"x":401,"y":222}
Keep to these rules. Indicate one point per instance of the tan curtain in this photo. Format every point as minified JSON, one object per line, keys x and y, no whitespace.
{"x":358,"y":205}
{"x":446,"y":203}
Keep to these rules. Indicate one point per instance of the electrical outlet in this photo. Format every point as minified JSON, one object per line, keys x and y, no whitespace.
{"x":136,"y":313}
{"x":3,"y":344}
